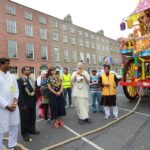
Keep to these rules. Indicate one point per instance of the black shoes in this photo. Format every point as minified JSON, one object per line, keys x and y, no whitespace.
{"x":35,"y":132}
{"x":82,"y":122}
{"x":88,"y":121}
{"x":27,"y":138}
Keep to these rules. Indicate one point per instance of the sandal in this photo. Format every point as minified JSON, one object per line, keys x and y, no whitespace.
{"x":56,"y":124}
{"x":61,"y":123}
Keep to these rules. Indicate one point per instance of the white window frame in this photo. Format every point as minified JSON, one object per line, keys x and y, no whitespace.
{"x":74,"y":56}
{"x":11,"y":10}
{"x":29,"y":47}
{"x":56,"y":53}
{"x":28,"y":15}
{"x":66,"y":55}
{"x":94,"y":58}
{"x":64,"y":27}
{"x":80,"y":42}
{"x":88,"y":58}
{"x":87,"y":44}
{"x":82,"y":57}
{"x":55,"y":35}
{"x":43,"y":49}
{"x":12,"y":47}
{"x":29,"y":30}
{"x":11,"y":26}
{"x":65,"y":38}
{"x":53,"y":23}
{"x":42,"y":20}
{"x":43,"y":34}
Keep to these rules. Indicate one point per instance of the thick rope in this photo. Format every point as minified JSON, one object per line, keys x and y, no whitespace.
{"x":95,"y":130}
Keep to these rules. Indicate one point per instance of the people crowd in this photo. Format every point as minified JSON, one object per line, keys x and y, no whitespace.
{"x":50,"y":92}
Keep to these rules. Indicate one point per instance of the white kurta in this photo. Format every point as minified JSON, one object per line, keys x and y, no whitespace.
{"x":8,"y":91}
{"x":80,"y":94}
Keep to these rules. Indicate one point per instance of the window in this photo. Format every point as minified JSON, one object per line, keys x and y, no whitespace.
{"x":80,"y":42}
{"x":86,"y":43}
{"x":98,"y":47}
{"x":56,"y":54}
{"x":14,"y":71}
{"x":74,"y":56}
{"x":28,"y":15}
{"x":12,"y":49}
{"x":72,"y":40}
{"x":72,"y":29}
{"x":53,"y":23}
{"x":55,"y":36}
{"x":42,"y":20}
{"x":97,"y":38}
{"x":11,"y":10}
{"x":64,"y":27}
{"x":28,"y":30}
{"x":29,"y":51}
{"x":11,"y":26}
{"x":107,"y":48}
{"x":82,"y":57}
{"x":66,"y":55}
{"x":80,"y":32}
{"x":88,"y":58}
{"x":65,"y":38}
{"x":44,"y":54}
{"x":86,"y":34}
{"x":92,"y":45}
{"x":32,"y":75}
{"x":94,"y":58}
{"x":43,"y":34}
{"x":92,"y":36}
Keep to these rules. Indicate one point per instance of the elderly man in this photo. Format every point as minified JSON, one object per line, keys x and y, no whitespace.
{"x":80,"y":93}
{"x":9,"y":112}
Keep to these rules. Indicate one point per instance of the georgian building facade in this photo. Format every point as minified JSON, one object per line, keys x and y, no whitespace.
{"x":32,"y":38}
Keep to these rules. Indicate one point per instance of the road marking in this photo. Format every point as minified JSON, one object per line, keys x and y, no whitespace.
{"x":77,"y":134}
{"x":84,"y":139}
{"x":143,"y":114}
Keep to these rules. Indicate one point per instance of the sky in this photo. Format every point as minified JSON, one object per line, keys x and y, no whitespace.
{"x":93,"y":15}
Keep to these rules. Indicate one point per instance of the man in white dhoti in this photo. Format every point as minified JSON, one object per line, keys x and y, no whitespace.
{"x":80,"y":93}
{"x":9,"y":113}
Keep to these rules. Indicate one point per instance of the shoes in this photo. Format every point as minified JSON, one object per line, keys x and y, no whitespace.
{"x":56,"y":124}
{"x":101,"y":111}
{"x":47,"y":121}
{"x":27,"y":138}
{"x":88,"y":121}
{"x":94,"y":111}
{"x":71,"y":106}
{"x":107,"y":117}
{"x":35,"y":132}
{"x":66,"y":107}
{"x":81,"y":122}
{"x":15,"y":148}
{"x":116,"y":117}
{"x":61,"y":124}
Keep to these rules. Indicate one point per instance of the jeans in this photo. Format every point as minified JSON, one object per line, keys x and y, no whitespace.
{"x":65,"y":91}
{"x":96,"y":96}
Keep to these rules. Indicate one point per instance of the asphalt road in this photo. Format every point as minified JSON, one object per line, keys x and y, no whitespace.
{"x":132,"y":133}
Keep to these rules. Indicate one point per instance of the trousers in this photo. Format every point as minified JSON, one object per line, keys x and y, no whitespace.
{"x":13,"y":136}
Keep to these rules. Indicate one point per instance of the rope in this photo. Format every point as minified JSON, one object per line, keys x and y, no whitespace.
{"x":95,"y":130}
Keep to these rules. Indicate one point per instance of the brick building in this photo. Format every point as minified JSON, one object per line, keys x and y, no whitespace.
{"x":29,"y":37}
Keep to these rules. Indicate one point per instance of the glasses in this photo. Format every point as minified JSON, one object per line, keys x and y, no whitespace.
{"x":53,"y":69}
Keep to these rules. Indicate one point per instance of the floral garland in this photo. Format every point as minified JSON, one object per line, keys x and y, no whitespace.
{"x":26,"y":87}
{"x":54,"y":83}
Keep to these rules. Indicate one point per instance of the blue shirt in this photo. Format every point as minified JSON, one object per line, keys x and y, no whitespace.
{"x":95,"y":81}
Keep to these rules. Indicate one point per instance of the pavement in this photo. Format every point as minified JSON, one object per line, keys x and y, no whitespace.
{"x":132,"y":133}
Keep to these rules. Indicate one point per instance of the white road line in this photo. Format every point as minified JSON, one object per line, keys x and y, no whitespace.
{"x":84,"y":139}
{"x":143,"y":114}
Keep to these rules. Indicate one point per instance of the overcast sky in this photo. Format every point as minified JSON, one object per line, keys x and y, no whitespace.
{"x":93,"y":15}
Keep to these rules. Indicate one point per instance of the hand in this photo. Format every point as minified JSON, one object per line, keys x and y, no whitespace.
{"x":58,"y":93}
{"x":11,"y":107}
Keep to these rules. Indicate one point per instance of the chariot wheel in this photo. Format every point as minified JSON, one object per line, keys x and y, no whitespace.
{"x":131,"y":92}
